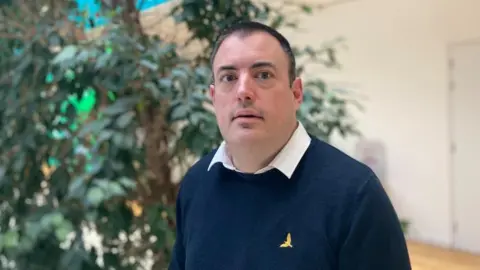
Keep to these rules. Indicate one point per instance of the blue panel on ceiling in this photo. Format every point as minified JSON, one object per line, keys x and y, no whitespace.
{"x":147,"y":4}
{"x":92,"y":7}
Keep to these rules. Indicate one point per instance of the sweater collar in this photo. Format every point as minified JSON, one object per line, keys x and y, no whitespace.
{"x":286,"y":160}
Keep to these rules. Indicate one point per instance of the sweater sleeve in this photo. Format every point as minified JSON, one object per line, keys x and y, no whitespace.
{"x":374,"y":240}
{"x":178,"y":254}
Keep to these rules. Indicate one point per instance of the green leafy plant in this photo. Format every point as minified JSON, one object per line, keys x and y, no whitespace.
{"x":67,"y":174}
{"x":405,"y":225}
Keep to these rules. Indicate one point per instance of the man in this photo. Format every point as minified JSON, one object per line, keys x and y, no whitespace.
{"x":271,"y":196}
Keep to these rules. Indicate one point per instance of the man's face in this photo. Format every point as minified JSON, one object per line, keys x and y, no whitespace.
{"x":251,"y":94}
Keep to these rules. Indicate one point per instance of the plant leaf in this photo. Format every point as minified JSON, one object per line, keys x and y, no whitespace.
{"x":121,"y":105}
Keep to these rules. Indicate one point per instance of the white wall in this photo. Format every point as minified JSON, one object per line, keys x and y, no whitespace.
{"x":397,"y":57}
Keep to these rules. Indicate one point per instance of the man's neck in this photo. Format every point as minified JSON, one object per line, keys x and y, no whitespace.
{"x":250,"y":160}
{"x":254,"y":157}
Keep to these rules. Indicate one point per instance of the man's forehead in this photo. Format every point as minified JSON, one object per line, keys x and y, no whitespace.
{"x":241,"y":49}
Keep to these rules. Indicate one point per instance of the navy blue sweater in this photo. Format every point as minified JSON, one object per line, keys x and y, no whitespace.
{"x":333,"y":214}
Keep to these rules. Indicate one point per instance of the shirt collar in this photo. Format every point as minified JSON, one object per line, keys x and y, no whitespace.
{"x":287,"y":159}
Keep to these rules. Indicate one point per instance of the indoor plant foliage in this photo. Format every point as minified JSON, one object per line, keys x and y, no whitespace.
{"x":65,"y":172}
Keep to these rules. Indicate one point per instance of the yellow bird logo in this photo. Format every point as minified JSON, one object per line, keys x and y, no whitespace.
{"x":288,"y":242}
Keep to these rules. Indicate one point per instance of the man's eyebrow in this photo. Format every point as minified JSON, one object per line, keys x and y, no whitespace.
{"x":263,"y":64}
{"x":254,"y":65}
{"x":227,"y":67}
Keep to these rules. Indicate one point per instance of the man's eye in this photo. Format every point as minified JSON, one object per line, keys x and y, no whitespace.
{"x":228,"y":78}
{"x":264,"y":75}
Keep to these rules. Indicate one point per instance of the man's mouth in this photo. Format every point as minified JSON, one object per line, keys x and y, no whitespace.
{"x":247,"y":116}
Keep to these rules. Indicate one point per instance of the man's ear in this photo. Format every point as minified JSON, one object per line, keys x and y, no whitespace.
{"x":212,"y":92}
{"x":297,"y":89}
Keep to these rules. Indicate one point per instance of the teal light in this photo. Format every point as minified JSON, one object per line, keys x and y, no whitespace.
{"x":91,"y":9}
{"x":49,"y":78}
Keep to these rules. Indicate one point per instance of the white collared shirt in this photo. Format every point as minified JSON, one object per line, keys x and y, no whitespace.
{"x":287,"y":159}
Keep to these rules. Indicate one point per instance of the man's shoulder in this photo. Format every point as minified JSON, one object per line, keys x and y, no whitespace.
{"x":333,"y":156}
{"x":340,"y":178}
{"x":337,"y":165}
{"x":198,"y":170}
{"x":202,"y":164}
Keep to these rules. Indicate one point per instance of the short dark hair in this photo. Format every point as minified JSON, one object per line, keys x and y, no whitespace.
{"x":245,"y":28}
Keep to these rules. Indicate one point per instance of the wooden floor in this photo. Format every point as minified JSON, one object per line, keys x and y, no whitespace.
{"x":425,"y":257}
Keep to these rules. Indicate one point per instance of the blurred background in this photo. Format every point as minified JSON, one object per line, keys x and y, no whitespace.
{"x":103,"y":108}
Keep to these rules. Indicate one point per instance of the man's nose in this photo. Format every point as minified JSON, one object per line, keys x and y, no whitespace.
{"x":246,"y":88}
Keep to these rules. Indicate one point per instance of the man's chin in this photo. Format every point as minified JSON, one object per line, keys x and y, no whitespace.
{"x":249,"y":136}
{"x":248,"y":122}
